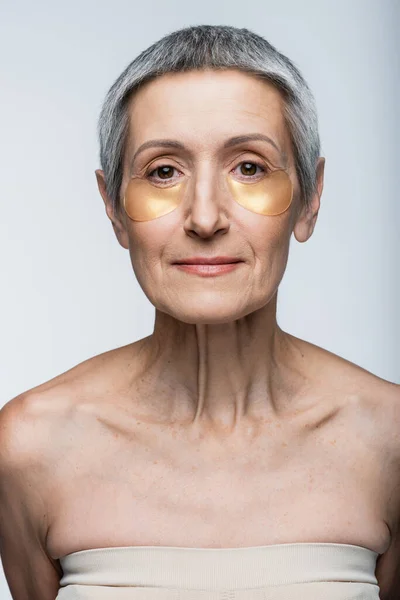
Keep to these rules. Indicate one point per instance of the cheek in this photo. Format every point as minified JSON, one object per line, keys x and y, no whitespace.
{"x":270,"y":236}
{"x":270,"y":244}
{"x":146,"y":243}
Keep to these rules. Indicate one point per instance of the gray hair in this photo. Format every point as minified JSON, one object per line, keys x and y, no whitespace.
{"x":217,"y":47}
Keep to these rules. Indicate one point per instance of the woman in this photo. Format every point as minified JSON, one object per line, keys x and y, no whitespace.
{"x":220,"y":456}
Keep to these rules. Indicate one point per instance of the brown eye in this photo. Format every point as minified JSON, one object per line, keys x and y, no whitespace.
{"x":164,"y":172}
{"x":248,"y":168}
{"x":161,"y":173}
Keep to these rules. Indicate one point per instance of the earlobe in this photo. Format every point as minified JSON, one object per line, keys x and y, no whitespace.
{"x":120,"y":233}
{"x":305,"y":223}
{"x":118,"y":226}
{"x":101,"y":185}
{"x":304,"y":226}
{"x":103,"y":193}
{"x":320,"y":175}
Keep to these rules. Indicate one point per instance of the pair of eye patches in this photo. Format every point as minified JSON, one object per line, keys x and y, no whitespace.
{"x":270,"y":196}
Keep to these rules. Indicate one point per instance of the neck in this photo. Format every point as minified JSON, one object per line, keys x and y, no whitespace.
{"x":222,"y":377}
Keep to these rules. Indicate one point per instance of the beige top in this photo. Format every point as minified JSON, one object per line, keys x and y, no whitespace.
{"x":313,"y":571}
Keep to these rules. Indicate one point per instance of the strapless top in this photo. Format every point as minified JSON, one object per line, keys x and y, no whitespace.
{"x":309,"y":571}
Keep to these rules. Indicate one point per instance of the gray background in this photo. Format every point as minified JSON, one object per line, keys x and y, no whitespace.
{"x":68,"y":290}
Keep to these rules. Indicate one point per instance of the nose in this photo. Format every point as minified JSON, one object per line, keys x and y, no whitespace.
{"x":205,"y":210}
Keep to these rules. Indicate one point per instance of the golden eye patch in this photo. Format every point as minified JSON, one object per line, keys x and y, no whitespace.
{"x":270,"y":196}
{"x":144,"y":201}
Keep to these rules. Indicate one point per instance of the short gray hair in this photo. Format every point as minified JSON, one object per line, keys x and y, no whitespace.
{"x":216,"y":47}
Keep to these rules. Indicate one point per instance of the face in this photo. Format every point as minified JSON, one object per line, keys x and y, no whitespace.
{"x":206,"y":194}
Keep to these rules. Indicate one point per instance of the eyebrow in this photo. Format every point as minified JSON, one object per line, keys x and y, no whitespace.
{"x":233,"y":141}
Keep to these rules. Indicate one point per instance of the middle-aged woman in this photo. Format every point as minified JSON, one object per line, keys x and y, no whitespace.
{"x":220,"y":457}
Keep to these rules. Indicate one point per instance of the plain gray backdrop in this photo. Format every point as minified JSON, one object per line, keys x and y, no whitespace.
{"x":68,"y":291}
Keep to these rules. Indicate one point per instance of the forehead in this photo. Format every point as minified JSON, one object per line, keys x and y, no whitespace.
{"x":203,"y":108}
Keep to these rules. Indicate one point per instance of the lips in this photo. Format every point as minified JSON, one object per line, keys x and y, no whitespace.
{"x":217,"y":260}
{"x":209,"y":270}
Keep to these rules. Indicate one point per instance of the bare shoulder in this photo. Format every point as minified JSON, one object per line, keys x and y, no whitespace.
{"x":366,"y":397}
{"x":29,"y":570}
{"x":93,"y":371}
{"x":33,"y":424}
{"x":87,"y":380}
{"x":342,"y":373}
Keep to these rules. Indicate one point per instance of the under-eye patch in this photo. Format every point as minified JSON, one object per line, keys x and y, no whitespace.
{"x":144,"y":201}
{"x":270,"y":196}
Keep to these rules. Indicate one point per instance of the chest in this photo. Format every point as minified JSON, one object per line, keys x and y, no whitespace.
{"x":325,"y":487}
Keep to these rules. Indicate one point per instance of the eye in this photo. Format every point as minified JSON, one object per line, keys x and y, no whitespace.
{"x":164,"y":173}
{"x":248,"y":168}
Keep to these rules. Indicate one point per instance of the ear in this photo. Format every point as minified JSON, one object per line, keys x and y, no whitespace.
{"x":305,"y":221}
{"x":116,"y":220}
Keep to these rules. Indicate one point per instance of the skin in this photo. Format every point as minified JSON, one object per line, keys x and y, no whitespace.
{"x":273,"y":439}
{"x":223,"y":350}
